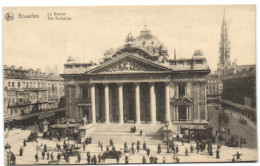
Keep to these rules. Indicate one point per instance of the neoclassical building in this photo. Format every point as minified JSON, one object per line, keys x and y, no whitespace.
{"x":138,"y":83}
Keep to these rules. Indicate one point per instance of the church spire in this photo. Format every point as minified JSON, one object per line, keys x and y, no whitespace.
{"x":224,"y":48}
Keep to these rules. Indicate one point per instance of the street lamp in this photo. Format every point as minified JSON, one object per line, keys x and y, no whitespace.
{"x":8,"y":151}
{"x":68,"y":132}
{"x":167,"y":126}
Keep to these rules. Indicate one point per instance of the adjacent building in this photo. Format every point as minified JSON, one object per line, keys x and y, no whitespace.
{"x":139,"y":83}
{"x":239,"y":92}
{"x":28,"y":91}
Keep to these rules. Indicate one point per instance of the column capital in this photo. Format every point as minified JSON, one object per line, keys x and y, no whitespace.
{"x":105,"y":84}
{"x":151,"y":83}
{"x":120,"y":84}
{"x":137,"y":83}
{"x":167,"y":83}
{"x":91,"y":84}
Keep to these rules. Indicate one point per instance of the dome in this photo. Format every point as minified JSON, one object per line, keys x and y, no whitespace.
{"x":146,"y":39}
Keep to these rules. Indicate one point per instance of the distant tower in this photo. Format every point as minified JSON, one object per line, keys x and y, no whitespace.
{"x":224,"y":65}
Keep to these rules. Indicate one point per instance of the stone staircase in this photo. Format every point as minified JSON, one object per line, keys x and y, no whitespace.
{"x":120,"y":133}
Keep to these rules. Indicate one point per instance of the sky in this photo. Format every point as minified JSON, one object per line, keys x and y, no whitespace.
{"x":40,"y":42}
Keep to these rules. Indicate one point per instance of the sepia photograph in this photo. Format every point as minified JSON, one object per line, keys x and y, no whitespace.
{"x":129,"y":84}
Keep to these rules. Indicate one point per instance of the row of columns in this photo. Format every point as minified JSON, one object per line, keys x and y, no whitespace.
{"x":137,"y":101}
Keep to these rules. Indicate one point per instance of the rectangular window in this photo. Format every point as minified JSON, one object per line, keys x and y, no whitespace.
{"x":18,"y":84}
{"x":9,"y":84}
{"x":182,"y":90}
{"x":13,"y":84}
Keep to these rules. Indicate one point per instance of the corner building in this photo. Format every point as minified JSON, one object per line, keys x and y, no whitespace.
{"x":139,"y":83}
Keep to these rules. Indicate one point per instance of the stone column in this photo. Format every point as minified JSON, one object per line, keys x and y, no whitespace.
{"x":120,"y":100}
{"x":177,"y":90}
{"x":152,"y":103}
{"x":93,"y":103}
{"x":137,"y":103}
{"x":167,"y":101}
{"x":107,"y":103}
{"x":177,"y":112}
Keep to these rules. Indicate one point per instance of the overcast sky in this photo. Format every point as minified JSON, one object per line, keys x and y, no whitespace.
{"x":35,"y":43}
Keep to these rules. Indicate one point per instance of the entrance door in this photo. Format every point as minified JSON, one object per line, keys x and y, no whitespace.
{"x":131,"y":110}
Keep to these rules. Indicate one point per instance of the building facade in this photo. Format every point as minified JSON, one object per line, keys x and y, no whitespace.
{"x":28,"y":91}
{"x":140,"y":83}
{"x":214,"y":89}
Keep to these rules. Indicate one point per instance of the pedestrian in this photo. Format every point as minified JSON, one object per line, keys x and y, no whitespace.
{"x":144,"y":145}
{"x":164,"y":161}
{"x":144,"y":160}
{"x":148,"y":151}
{"x":101,"y":147}
{"x":103,"y":158}
{"x":36,"y":157}
{"x":79,"y":157}
{"x":178,"y":137}
{"x":177,"y":149}
{"x":84,"y":146}
{"x":155,"y":159}
{"x":13,"y":158}
{"x":45,"y":148}
{"x":151,"y":160}
{"x":182,"y":142}
{"x":126,"y":159}
{"x":117,"y":158}
{"x":24,"y":143}
{"x":177,"y":160}
{"x":133,"y":150}
{"x":197,"y":148}
{"x":88,"y":158}
{"x":58,"y":157}
{"x":111,"y":142}
{"x":52,"y":157}
{"x":138,"y":147}
{"x":173,"y":148}
{"x":43,"y":154}
{"x":159,"y":149}
{"x":48,"y":155}
{"x":99,"y":158}
{"x":125,"y":145}
{"x":141,"y":132}
{"x":238,"y":156}
{"x":21,"y":151}
{"x":191,"y":148}
{"x":217,"y":154}
{"x":186,"y":151}
{"x":94,"y":159}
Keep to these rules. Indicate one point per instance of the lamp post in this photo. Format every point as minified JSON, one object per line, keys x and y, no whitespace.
{"x":8,"y":151}
{"x":167,"y":126}
{"x":68,"y":132}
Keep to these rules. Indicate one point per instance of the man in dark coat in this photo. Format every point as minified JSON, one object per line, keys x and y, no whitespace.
{"x":84,"y":146}
{"x":144,"y":145}
{"x":21,"y":151}
{"x":99,"y":158}
{"x":43,"y":154}
{"x":177,"y":149}
{"x":101,"y":147}
{"x":48,"y":155}
{"x":191,"y":148}
{"x":24,"y":142}
{"x":148,"y":151}
{"x":94,"y":159}
{"x":144,"y":160}
{"x":151,"y":159}
{"x":141,"y":132}
{"x":45,"y":148}
{"x":111,"y":142}
{"x":186,"y":151}
{"x":159,"y":149}
{"x":88,"y":158}
{"x":217,"y":154}
{"x":36,"y":157}
{"x":79,"y":158}
{"x":58,"y":157}
{"x":126,"y":159}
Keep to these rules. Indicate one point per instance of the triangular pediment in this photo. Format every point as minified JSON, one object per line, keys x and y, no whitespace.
{"x":129,"y":63}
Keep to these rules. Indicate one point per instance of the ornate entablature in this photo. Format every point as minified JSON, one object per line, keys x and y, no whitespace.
{"x":128,"y":63}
